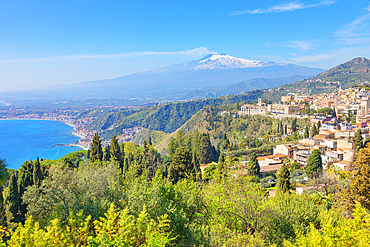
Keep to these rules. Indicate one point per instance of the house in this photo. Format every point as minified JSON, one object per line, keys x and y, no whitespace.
{"x":286,"y":149}
{"x":301,"y":155}
{"x":344,"y":165}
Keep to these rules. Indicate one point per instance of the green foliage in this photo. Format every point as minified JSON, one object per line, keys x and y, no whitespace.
{"x":96,"y":151}
{"x":359,"y":187}
{"x":343,"y":232}
{"x":314,"y":164}
{"x":3,"y":172}
{"x":358,"y":140}
{"x":12,"y":200}
{"x":290,"y":212}
{"x":284,"y":180}
{"x":253,"y":165}
{"x":37,"y":173}
{"x":115,"y":151}
{"x":314,"y":131}
{"x":181,"y":166}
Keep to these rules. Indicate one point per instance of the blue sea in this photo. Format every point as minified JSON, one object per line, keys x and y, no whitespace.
{"x":22,"y":140}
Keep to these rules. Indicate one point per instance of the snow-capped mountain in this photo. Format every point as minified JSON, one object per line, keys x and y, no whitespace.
{"x":223,"y":61}
{"x":175,"y":81}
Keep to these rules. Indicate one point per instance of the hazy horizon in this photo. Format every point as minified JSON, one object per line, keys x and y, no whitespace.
{"x":45,"y":44}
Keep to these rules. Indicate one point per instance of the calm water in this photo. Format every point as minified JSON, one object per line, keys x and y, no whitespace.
{"x":22,"y":140}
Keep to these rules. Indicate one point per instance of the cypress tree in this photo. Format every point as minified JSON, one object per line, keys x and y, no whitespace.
{"x":358,"y":140}
{"x":286,"y":129}
{"x":115,"y":150}
{"x":172,"y":146}
{"x":3,"y":172}
{"x":207,"y":152}
{"x":283,"y":185}
{"x":13,"y":200}
{"x":181,"y":166}
{"x":314,"y":131}
{"x":254,"y":167}
{"x":150,"y":141}
{"x":314,"y":164}
{"x":221,"y":164}
{"x":96,"y":151}
{"x":106,"y":153}
{"x":281,"y":128}
{"x":306,"y":132}
{"x":25,"y":179}
{"x":278,"y":128}
{"x":318,"y":125}
{"x":37,"y":174}
{"x":294,"y":125}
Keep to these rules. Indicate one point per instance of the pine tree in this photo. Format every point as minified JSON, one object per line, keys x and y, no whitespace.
{"x":37,"y":174}
{"x":359,"y":188}
{"x":13,"y":200}
{"x":314,"y":164}
{"x":96,"y":151}
{"x":115,"y":150}
{"x":358,"y":140}
{"x":306,"y":132}
{"x":283,"y":185}
{"x":254,"y":167}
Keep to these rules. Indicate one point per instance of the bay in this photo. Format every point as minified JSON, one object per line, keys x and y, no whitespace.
{"x":22,"y":140}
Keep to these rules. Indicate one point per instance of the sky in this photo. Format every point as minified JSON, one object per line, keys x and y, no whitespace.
{"x":46,"y":43}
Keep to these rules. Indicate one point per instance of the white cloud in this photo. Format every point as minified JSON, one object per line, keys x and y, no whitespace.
{"x":355,"y":32}
{"x":301,"y":45}
{"x":200,"y":51}
{"x":311,"y":58}
{"x":284,"y":7}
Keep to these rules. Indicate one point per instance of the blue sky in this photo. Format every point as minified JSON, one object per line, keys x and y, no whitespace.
{"x":52,"y":42}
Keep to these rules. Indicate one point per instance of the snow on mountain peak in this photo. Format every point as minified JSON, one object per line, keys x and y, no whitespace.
{"x":223,"y":61}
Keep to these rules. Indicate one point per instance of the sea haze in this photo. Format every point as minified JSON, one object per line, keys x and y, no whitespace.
{"x":23,"y":140}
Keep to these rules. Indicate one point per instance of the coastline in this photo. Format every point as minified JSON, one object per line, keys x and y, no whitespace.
{"x":69,"y":124}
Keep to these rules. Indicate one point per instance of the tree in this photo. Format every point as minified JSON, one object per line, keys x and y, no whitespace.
{"x":150,"y":141}
{"x":181,"y":166}
{"x":286,"y":129}
{"x":294,"y":125}
{"x":253,"y":166}
{"x":206,"y":153}
{"x":359,"y":188}
{"x":106,"y":153}
{"x":306,"y":132}
{"x":283,"y":185}
{"x":115,"y":150}
{"x":358,"y":140}
{"x":96,"y":151}
{"x":37,"y":174}
{"x":314,"y":164}
{"x":318,"y":125}
{"x":172,"y":146}
{"x":12,"y":200}
{"x":314,"y":131}
{"x":3,"y":172}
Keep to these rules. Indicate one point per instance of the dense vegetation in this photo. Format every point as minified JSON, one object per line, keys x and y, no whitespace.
{"x":138,"y":197}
